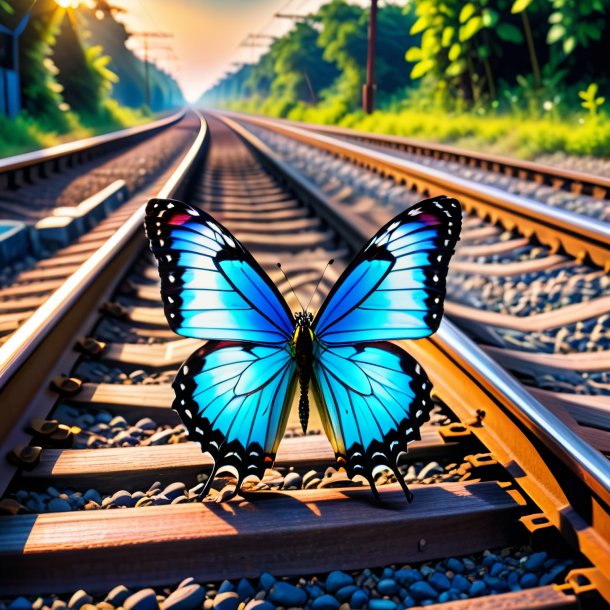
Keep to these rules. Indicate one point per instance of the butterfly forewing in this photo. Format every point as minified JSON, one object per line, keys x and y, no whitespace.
{"x":395,"y":287}
{"x":212,"y":288}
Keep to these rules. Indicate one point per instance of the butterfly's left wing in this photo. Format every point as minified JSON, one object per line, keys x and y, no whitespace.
{"x":373,"y":398}
{"x":234,"y":399}
{"x":395,"y":287}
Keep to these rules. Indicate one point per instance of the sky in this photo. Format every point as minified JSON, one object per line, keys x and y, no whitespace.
{"x":207,"y":33}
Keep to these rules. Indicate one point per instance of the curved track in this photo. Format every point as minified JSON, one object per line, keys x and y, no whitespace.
{"x":501,"y":476}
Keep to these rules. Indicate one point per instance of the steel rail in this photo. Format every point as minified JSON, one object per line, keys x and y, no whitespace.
{"x":39,"y":158}
{"x":481,"y":380}
{"x":579,"y":182}
{"x":579,"y":235}
{"x":30,"y":352}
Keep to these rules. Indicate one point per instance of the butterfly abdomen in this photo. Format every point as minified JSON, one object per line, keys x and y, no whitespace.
{"x":303,"y":344}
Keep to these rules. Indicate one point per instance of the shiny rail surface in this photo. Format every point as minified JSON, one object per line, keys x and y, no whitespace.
{"x":51,"y":159}
{"x":163,"y":544}
{"x":576,"y":234}
{"x":575,"y":181}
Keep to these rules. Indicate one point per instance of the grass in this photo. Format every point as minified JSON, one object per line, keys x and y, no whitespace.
{"x":23,"y":134}
{"x":506,"y":134}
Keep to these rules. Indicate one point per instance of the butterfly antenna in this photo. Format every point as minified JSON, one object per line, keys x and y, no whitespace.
{"x":330,"y":262}
{"x":279,"y":266}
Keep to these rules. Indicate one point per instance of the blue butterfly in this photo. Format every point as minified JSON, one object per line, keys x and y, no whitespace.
{"x":234,"y":394}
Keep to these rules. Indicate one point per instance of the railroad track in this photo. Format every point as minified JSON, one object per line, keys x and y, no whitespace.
{"x":59,"y":206}
{"x":539,"y":311}
{"x":494,"y":468}
{"x":575,"y":190}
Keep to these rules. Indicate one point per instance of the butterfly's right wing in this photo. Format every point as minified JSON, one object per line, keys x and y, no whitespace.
{"x":234,"y":399}
{"x":211,"y":286}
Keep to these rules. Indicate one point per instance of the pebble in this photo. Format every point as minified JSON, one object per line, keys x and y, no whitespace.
{"x":145,"y":599}
{"x":226,"y":601}
{"x":174,"y":490}
{"x":266,"y":581}
{"x":59,"y":505}
{"x":292,"y":480}
{"x":528,"y":580}
{"x":285,"y":594}
{"x":118,"y":595}
{"x":80,"y":598}
{"x":337,"y":580}
{"x":325,"y":602}
{"x":259,"y":604}
{"x":421,"y":590}
{"x":345,"y":593}
{"x":382,"y":604}
{"x":245,"y":588}
{"x":359,"y":599}
{"x":387,"y":586}
{"x":478,"y":588}
{"x":408,"y":576}
{"x":439,"y":581}
{"x":535,"y":561}
{"x":455,"y":565}
{"x":161,"y":437}
{"x":189,"y":597}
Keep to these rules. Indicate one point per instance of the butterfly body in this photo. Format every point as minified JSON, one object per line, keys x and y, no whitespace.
{"x":303,"y":342}
{"x":235,"y":393}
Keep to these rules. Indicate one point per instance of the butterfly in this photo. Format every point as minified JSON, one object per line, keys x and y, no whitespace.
{"x":234,"y":393}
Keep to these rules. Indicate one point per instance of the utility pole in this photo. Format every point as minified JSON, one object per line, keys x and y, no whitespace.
{"x":368,"y":90}
{"x":145,"y":37}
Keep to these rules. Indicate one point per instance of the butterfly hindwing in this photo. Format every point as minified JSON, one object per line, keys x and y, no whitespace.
{"x":235,"y":399}
{"x":373,"y":398}
{"x":395,"y":288}
{"x":212,"y":288}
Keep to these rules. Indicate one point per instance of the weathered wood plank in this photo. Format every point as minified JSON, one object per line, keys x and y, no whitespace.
{"x":286,"y":533}
{"x":135,"y":467}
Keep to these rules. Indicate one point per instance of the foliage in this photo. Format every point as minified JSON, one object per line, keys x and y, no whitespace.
{"x":576,"y":22}
{"x":591,"y":101}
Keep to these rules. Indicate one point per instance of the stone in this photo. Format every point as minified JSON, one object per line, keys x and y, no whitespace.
{"x":161,"y":437}
{"x":59,"y":505}
{"x":408,"y":576}
{"x":345,"y":593}
{"x":337,"y":580}
{"x":439,"y":581}
{"x":266,"y":581}
{"x":478,"y":588}
{"x":455,"y":565}
{"x":145,"y":599}
{"x":20,"y":603}
{"x":325,"y":602}
{"x":189,"y":597}
{"x":118,"y":595}
{"x":460,"y":583}
{"x":387,"y":586}
{"x":535,"y":561}
{"x":226,"y":601}
{"x":528,"y":580}
{"x":421,"y":590}
{"x":174,"y":490}
{"x":187,"y":581}
{"x":382,"y":604}
{"x":79,"y":598}
{"x":287,"y":595}
{"x":359,"y":599}
{"x":225,"y":586}
{"x":292,"y":481}
{"x":259,"y":604}
{"x":122,"y":498}
{"x":245,"y":589}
